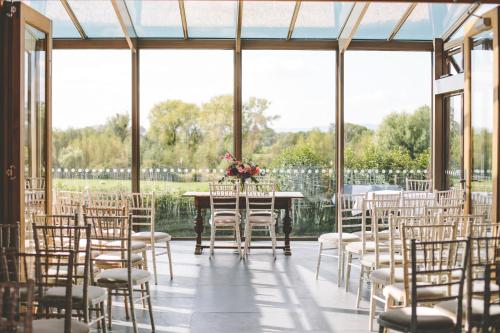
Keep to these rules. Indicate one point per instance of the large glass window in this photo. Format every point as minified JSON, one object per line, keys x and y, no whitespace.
{"x":288,"y":128}
{"x":387,"y":120}
{"x":91,"y":120}
{"x":454,"y":160}
{"x":186,"y":127}
{"x":482,"y":116}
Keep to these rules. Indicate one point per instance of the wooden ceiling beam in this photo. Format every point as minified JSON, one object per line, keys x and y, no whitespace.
{"x":74,"y":19}
{"x":294,"y":19}
{"x":239,"y":19}
{"x":402,"y":21}
{"x":182,"y":10}
{"x":351,"y":24}
{"x":125,"y":21}
{"x":460,"y":21}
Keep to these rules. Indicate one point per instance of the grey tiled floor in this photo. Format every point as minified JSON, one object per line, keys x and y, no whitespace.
{"x":225,"y":294}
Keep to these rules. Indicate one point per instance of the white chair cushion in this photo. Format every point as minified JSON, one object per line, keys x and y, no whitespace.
{"x":331,"y":239}
{"x":449,"y":308}
{"x":57,"y":325}
{"x":145,"y":236}
{"x":259,"y":219}
{"x":383,"y":275}
{"x":119,"y":275}
{"x":94,"y":294}
{"x":115,"y":257}
{"x":356,"y":247}
{"x":397,"y":291}
{"x":135,"y":246}
{"x":427,"y":319}
{"x":369,"y":260}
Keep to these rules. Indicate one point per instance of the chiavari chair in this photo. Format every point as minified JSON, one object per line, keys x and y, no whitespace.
{"x":9,"y":236}
{"x":67,"y":202}
{"x":392,"y":271}
{"x":483,"y":252}
{"x":87,"y":298}
{"x":372,"y":236}
{"x":418,"y":185}
{"x":349,"y":222}
{"x":143,"y":209}
{"x":139,"y":248}
{"x":224,"y":212}
{"x":437,"y":275}
{"x":48,"y":271}
{"x":463,"y":222}
{"x":491,"y":308}
{"x":423,"y":232}
{"x":13,"y":316}
{"x":260,"y":214}
{"x":121,"y":278}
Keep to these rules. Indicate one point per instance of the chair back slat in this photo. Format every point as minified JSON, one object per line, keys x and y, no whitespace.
{"x":418,"y":185}
{"x":142,"y":206}
{"x":224,"y":197}
{"x":9,"y":236}
{"x":13,"y":315}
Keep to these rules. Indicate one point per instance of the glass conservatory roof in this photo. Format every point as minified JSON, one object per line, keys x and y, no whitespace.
{"x":218,"y":19}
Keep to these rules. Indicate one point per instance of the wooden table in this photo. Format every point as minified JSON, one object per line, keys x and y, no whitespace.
{"x":282,"y":200}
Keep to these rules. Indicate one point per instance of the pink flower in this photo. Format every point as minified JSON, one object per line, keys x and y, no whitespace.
{"x":228,"y":156}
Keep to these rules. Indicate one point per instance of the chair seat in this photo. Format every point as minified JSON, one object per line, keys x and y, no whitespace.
{"x":261,"y":219}
{"x":369,"y":260}
{"x":224,"y":221}
{"x":397,"y":291}
{"x":135,"y":245}
{"x":95,"y":294}
{"x":357,"y":247}
{"x":428,"y":320}
{"x":115,"y":257}
{"x":331,"y":239}
{"x":120,"y":276}
{"x":383,"y":275}
{"x":145,"y":236}
{"x":57,"y":325}
{"x":449,"y":308}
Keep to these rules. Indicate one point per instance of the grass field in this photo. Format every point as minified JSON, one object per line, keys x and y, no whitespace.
{"x":113,"y":185}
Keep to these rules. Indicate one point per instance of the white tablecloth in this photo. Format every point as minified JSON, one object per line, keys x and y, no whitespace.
{"x":358,"y":202}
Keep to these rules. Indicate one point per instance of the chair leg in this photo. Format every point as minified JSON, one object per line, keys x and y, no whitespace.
{"x":153,"y":255}
{"x":360,"y":286}
{"x":238,"y":239}
{"x":373,"y":291}
{"x":273,"y":239}
{"x":150,"y":308}
{"x":125,"y":301}
{"x":132,"y":307}
{"x":340,"y":264}
{"x":212,"y":240}
{"x":110,"y":306}
{"x":381,"y":329}
{"x":103,"y":314}
{"x":319,"y":259}
{"x":245,"y":244}
{"x":348,"y":271}
{"x":169,"y":254}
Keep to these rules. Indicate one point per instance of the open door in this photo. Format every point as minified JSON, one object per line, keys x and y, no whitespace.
{"x":26,"y":117}
{"x":481,"y":114}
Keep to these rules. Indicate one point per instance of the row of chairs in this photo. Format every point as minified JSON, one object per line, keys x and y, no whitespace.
{"x":104,"y":264}
{"x":225,"y":212}
{"x":446,"y":283}
{"x":142,"y":206}
{"x":366,"y":236}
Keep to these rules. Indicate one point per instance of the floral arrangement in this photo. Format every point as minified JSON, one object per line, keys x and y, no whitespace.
{"x":241,"y":170}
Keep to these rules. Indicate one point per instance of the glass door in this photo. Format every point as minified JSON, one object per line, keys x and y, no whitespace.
{"x":453,"y":106}
{"x":482,"y":119}
{"x":27,"y":161}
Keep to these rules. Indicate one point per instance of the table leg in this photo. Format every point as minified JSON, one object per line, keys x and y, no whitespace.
{"x":287,"y":228}
{"x":198,"y":228}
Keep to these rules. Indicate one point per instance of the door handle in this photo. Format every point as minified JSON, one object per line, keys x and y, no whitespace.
{"x":10,"y":172}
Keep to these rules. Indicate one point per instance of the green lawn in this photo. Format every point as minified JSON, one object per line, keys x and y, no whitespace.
{"x":110,"y":185}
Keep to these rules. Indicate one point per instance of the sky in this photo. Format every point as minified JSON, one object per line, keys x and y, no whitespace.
{"x":89,"y":86}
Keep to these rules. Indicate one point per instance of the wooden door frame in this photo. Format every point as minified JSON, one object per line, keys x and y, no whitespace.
{"x":471,"y":30}
{"x":13,"y":30}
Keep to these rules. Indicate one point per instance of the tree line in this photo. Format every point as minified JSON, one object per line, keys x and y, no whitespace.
{"x":185,"y":134}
